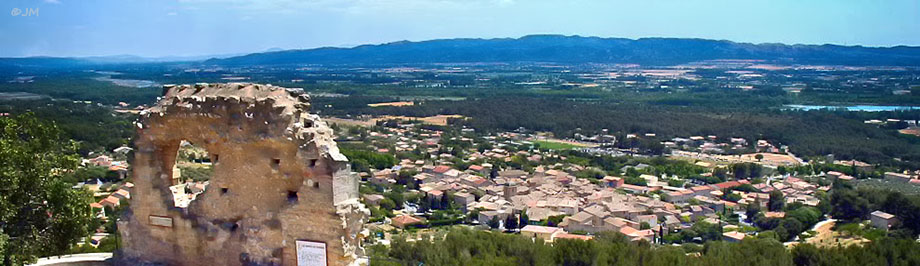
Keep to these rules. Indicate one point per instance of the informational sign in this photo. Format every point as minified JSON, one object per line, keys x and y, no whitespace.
{"x":311,"y":253}
{"x":160,"y":221}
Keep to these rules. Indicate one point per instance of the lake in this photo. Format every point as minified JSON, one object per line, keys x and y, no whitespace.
{"x":856,"y":108}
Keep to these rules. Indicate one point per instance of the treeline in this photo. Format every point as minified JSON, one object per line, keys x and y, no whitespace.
{"x":80,"y":85}
{"x":96,"y":128}
{"x":466,"y":247}
{"x":851,"y":204}
{"x":363,"y":160}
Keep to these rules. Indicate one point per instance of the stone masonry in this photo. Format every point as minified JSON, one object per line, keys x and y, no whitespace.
{"x":278,"y":178}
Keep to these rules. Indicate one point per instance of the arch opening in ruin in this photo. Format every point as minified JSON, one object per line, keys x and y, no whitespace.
{"x":191,"y":173}
{"x":279,"y":183}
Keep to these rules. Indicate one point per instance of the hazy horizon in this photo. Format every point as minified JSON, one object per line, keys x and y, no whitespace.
{"x":63,"y":28}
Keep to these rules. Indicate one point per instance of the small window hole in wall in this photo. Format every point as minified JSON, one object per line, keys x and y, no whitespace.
{"x":292,"y":196}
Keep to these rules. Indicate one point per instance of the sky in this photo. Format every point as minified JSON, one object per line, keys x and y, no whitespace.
{"x":157,"y":28}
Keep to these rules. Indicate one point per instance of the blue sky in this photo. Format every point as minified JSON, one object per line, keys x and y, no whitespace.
{"x":203,"y":27}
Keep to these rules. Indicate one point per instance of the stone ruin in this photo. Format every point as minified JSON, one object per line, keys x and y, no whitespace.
{"x":278,"y":182}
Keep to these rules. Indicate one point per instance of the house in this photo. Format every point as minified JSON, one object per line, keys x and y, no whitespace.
{"x":898,"y":177}
{"x":475,"y":181}
{"x":373,"y":199}
{"x":681,"y":196}
{"x":423,"y":178}
{"x":671,"y":221}
{"x":636,"y":189}
{"x":582,"y":221}
{"x":384,"y":177}
{"x":637,"y":235}
{"x":650,"y":219}
{"x":702,"y":190}
{"x":439,"y":170}
{"x":537,"y":214}
{"x":779,"y":215}
{"x":543,"y":232}
{"x":110,"y":201}
{"x":881,"y":220}
{"x":733,"y":236}
{"x":564,"y":205}
{"x":861,"y":166}
{"x":513,"y":173}
{"x":463,"y":199}
{"x":501,"y":215}
{"x":122,"y":194}
{"x":572,"y":236}
{"x":617,"y":224}
{"x":478,"y":169}
{"x":100,"y":160}
{"x":613,"y":182}
{"x":452,"y":173}
{"x":699,"y":212}
{"x":406,"y":220}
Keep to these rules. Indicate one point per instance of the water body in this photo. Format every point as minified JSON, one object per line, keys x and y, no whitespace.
{"x":854,"y":108}
{"x":11,"y":96}
{"x":135,"y":83}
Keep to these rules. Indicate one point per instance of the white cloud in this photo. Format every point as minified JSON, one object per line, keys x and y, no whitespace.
{"x":53,"y":1}
{"x":172,"y":14}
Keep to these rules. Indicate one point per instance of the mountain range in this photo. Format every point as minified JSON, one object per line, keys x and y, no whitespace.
{"x":557,"y":49}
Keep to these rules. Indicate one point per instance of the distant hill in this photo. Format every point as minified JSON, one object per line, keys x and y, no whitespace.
{"x":67,"y":62}
{"x":533,"y":48}
{"x":576,"y":49}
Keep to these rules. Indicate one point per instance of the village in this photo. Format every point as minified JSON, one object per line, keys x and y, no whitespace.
{"x":417,"y":178}
{"x":507,"y":182}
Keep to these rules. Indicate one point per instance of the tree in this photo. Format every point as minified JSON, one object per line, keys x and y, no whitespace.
{"x":846,"y":204}
{"x":759,"y":157}
{"x":387,"y":204}
{"x":493,"y":223}
{"x":524,"y":220}
{"x":776,"y":201}
{"x":445,"y":201}
{"x":554,"y":220}
{"x":511,"y":222}
{"x":792,"y":228}
{"x":782,"y":170}
{"x":752,"y":210}
{"x":40,"y":214}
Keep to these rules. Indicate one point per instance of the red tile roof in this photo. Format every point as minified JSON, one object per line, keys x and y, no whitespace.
{"x":441,"y":169}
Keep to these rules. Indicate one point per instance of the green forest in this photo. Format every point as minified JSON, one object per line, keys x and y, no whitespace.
{"x":467,"y":247}
{"x":96,"y":128}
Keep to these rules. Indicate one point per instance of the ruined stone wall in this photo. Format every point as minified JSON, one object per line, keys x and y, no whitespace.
{"x":278,"y":177}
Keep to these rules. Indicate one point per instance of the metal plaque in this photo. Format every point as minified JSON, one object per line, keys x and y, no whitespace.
{"x":311,"y":253}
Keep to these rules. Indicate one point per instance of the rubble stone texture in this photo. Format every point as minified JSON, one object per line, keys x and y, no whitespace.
{"x":278,"y":177}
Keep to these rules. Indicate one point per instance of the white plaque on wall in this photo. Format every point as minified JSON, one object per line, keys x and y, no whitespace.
{"x":160,"y":221}
{"x":311,"y":253}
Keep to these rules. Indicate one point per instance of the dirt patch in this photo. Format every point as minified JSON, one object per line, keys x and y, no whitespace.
{"x":409,"y":103}
{"x":440,"y":120}
{"x":828,"y":238}
{"x":771,"y":159}
{"x":911,"y":131}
